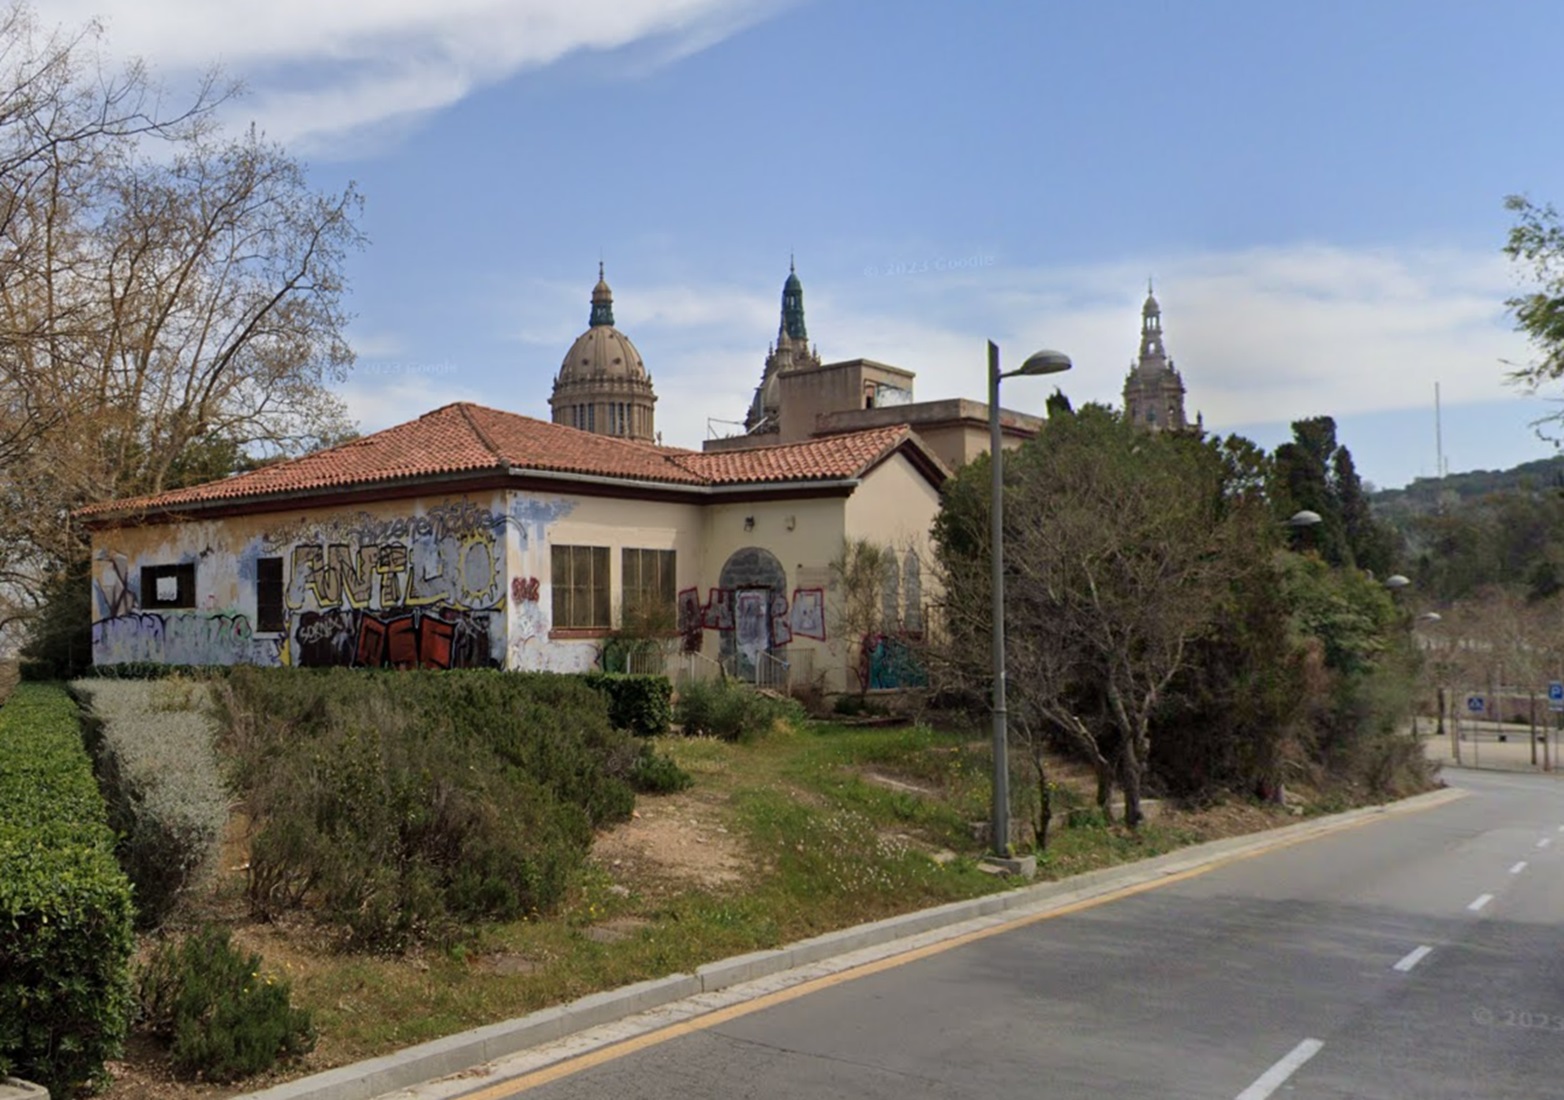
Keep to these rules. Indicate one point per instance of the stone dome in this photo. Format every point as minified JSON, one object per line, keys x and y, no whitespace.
{"x":602,"y":352}
{"x":603,"y":385}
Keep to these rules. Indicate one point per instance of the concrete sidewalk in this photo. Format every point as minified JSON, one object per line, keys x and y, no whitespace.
{"x":488,"y":1055}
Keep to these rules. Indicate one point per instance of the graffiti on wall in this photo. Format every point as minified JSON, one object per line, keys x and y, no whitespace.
{"x":450,"y":571}
{"x":443,"y":638}
{"x":887,"y":662}
{"x":524,"y":590}
{"x":113,"y":589}
{"x":727,"y":609}
{"x":692,"y":619}
{"x":182,"y":639}
{"x":808,"y":619}
{"x":415,"y":591}
{"x":751,"y":607}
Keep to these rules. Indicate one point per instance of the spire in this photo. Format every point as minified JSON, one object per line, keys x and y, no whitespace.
{"x":793,"y":305}
{"x":1152,"y":354}
{"x":602,"y":301}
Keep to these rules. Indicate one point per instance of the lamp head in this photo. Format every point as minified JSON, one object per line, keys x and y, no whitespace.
{"x":1044,"y":362}
{"x":1304,"y":518}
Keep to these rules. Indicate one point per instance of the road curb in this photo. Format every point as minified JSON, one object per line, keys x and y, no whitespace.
{"x":456,"y":1053}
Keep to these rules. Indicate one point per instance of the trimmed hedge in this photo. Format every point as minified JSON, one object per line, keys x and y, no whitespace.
{"x":65,"y":909}
{"x":641,"y":704}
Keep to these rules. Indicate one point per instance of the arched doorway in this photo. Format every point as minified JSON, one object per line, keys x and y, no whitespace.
{"x":758,"y":584}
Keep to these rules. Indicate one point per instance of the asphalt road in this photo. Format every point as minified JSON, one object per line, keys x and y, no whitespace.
{"x":1417,"y":957}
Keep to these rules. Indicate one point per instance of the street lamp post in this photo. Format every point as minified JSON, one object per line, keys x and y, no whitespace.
{"x":1043,"y":362}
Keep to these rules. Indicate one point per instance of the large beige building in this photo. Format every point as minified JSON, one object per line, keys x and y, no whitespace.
{"x":801,"y":397}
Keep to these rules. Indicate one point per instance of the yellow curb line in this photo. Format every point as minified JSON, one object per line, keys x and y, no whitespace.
{"x":621,"y":1049}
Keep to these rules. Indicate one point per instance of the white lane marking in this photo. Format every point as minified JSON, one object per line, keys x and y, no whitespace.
{"x":1272,"y":1079}
{"x":1518,"y":868}
{"x":1544,"y":842}
{"x":1413,"y":958}
{"x":1482,"y":900}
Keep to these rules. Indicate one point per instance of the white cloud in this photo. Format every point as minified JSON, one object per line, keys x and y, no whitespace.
{"x":319,"y":73}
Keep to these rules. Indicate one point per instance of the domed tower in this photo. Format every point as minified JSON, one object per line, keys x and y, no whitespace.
{"x":1154,"y":391}
{"x":602,"y":385}
{"x":790,"y":352}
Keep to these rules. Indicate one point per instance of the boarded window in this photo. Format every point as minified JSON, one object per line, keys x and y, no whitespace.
{"x":269,"y":617}
{"x":580,"y":586}
{"x":912,"y":587}
{"x":647,"y":577}
{"x":168,"y":586}
{"x":890,"y":594}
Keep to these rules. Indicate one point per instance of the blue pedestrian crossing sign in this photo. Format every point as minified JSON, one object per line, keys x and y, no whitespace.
{"x":1556,"y":695}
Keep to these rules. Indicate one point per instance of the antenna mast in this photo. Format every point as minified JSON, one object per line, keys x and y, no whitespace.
{"x":1439,"y":439}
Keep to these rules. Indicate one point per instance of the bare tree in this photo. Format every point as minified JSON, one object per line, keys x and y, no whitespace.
{"x":170,"y":298}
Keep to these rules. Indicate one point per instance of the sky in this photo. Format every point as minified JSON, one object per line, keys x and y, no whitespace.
{"x":1317,"y":190}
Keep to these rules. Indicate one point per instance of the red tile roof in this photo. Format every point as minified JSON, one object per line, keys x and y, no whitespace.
{"x":467,"y":438}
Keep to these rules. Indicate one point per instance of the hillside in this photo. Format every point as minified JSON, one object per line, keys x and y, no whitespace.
{"x":1428,"y":495}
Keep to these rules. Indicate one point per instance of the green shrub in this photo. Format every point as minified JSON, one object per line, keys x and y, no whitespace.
{"x":152,"y":746}
{"x":65,"y":910}
{"x":221,"y":1017}
{"x":641,"y":704}
{"x":657,"y":774}
{"x":731,"y":711}
{"x":399,"y":805}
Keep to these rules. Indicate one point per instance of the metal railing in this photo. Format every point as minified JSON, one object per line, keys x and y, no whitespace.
{"x":772,"y":672}
{"x":647,"y":659}
{"x":695,"y":667}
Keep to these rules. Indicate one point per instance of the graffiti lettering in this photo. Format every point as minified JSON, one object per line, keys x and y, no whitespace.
{"x":190,"y":639}
{"x":404,"y":638}
{"x":458,"y":519}
{"x":718,"y":612}
{"x":391,"y":575}
{"x":524,"y":590}
{"x":781,"y":630}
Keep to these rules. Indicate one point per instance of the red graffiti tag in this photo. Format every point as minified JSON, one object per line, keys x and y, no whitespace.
{"x":524,"y":589}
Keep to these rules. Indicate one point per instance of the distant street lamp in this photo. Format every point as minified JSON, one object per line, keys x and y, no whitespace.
{"x":1300,"y":520}
{"x":1043,"y":362}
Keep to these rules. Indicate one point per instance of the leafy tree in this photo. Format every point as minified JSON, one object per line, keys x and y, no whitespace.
{"x":1117,"y":548}
{"x":1536,"y":244}
{"x":1316,"y":472}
